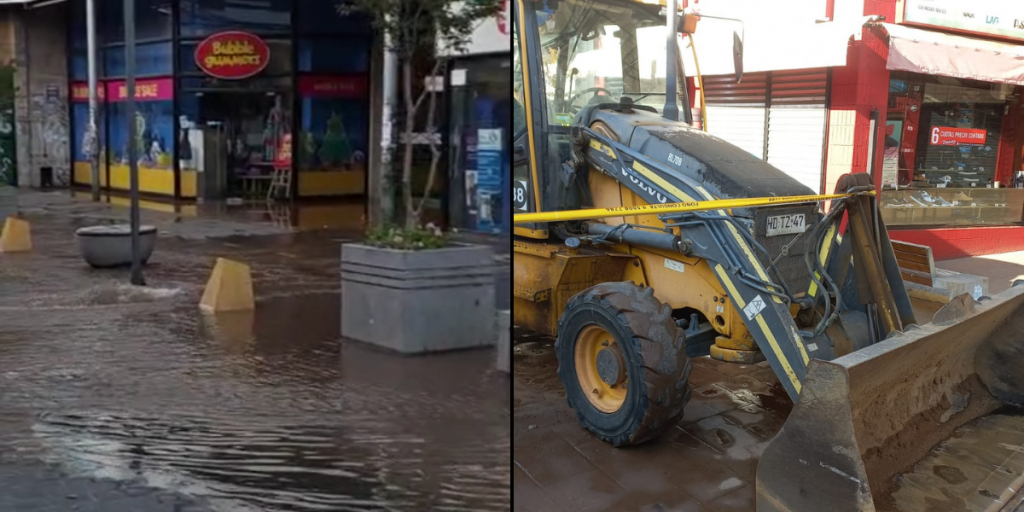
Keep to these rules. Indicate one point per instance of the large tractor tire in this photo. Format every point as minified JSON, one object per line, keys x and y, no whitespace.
{"x":623,"y":363}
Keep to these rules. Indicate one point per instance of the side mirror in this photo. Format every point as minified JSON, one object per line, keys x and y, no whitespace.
{"x":737,"y":56}
{"x":688,"y":23}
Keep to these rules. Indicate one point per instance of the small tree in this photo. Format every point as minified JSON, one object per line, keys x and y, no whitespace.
{"x":432,"y":30}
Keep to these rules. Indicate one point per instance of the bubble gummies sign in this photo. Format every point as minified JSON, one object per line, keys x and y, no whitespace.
{"x":232,"y":55}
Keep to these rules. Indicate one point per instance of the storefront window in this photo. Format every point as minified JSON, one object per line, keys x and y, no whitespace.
{"x":154,"y":139}
{"x":322,"y":55}
{"x":481,"y":119}
{"x":941,"y":160}
{"x":330,"y":151}
{"x":319,"y":17}
{"x":81,"y":166}
{"x":152,"y":20}
{"x":150,"y":59}
{"x":204,"y":17}
{"x":77,"y":17}
{"x":79,"y":66}
{"x":230,"y":139}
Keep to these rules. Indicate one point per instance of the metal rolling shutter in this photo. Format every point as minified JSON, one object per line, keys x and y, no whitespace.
{"x":796,"y":124}
{"x":736,"y":112}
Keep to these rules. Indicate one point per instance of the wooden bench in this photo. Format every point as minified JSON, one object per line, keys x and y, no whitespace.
{"x":916,"y":262}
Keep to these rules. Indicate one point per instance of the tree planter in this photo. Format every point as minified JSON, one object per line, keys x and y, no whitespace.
{"x":414,"y":302}
{"x":111,"y":246}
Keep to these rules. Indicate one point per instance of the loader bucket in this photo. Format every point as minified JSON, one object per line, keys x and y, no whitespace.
{"x":926,"y":420}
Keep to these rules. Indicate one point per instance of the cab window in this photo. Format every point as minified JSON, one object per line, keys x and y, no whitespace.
{"x":598,"y":53}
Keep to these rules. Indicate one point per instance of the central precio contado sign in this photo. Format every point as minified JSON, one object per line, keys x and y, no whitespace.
{"x":232,"y":55}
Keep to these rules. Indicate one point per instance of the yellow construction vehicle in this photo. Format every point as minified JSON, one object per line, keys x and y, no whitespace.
{"x":633,"y":293}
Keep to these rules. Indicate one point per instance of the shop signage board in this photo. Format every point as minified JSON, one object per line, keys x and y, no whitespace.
{"x":232,"y":55}
{"x":355,"y":86}
{"x":1000,"y":18}
{"x":952,"y":136}
{"x":80,"y":92}
{"x":489,"y":178}
{"x":159,"y":89}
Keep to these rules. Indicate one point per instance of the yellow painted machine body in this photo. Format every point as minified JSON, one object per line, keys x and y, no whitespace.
{"x":546,"y":275}
{"x":889,"y":416}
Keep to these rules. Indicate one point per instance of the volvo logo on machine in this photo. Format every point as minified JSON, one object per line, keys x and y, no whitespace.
{"x":645,"y":187}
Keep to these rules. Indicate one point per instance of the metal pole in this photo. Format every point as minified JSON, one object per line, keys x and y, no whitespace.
{"x":133,"y":158}
{"x":382,"y":176}
{"x":94,"y":154}
{"x":671,"y":109}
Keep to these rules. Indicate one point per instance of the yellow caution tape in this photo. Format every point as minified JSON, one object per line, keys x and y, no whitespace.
{"x":649,"y":209}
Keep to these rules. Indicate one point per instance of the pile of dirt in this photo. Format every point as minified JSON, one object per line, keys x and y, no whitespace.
{"x":920,"y":435}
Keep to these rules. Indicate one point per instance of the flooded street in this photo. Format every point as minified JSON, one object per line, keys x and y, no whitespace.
{"x":135,"y":388}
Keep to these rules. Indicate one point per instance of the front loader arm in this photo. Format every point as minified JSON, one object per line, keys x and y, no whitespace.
{"x":713,"y":237}
{"x":755,"y":288}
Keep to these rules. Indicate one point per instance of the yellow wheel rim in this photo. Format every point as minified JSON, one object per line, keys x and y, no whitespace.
{"x":605,"y":397}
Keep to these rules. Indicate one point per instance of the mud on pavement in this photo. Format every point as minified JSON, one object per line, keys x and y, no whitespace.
{"x":707,"y":463}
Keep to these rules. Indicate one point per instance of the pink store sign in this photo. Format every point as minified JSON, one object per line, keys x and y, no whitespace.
{"x":157,"y":89}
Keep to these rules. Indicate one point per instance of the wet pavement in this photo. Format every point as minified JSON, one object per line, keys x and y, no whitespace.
{"x":119,"y":398}
{"x":708,"y":463}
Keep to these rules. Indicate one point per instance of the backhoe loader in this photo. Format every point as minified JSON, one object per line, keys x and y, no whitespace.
{"x":681,"y":251}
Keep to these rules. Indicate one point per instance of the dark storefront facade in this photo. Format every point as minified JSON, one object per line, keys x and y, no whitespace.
{"x":480,"y":123}
{"x":226,"y":92}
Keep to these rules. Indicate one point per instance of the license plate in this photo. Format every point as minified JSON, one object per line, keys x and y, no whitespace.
{"x":786,"y":224}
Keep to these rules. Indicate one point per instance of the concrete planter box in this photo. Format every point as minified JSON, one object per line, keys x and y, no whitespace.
{"x":504,"y":341}
{"x":111,"y":246}
{"x":415,"y":302}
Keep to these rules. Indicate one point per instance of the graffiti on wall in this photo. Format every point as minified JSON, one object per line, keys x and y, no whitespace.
{"x":50,"y":133}
{"x":8,"y":172}
{"x":8,"y":148}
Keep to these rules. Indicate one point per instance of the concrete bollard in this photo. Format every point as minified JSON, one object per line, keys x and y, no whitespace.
{"x":504,"y":341}
{"x":16,"y":236}
{"x":229,"y":288}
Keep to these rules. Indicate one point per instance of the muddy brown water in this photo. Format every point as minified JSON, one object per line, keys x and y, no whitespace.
{"x":263,"y":412}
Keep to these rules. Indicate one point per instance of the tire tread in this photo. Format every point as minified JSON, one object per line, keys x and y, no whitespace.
{"x":655,"y":337}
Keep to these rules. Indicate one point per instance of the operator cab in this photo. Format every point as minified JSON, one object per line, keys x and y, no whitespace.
{"x":579,"y":53}
{"x":572,"y":54}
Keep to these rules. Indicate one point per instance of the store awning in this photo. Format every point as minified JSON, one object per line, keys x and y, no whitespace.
{"x":935,"y":53}
{"x":805,"y":44}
